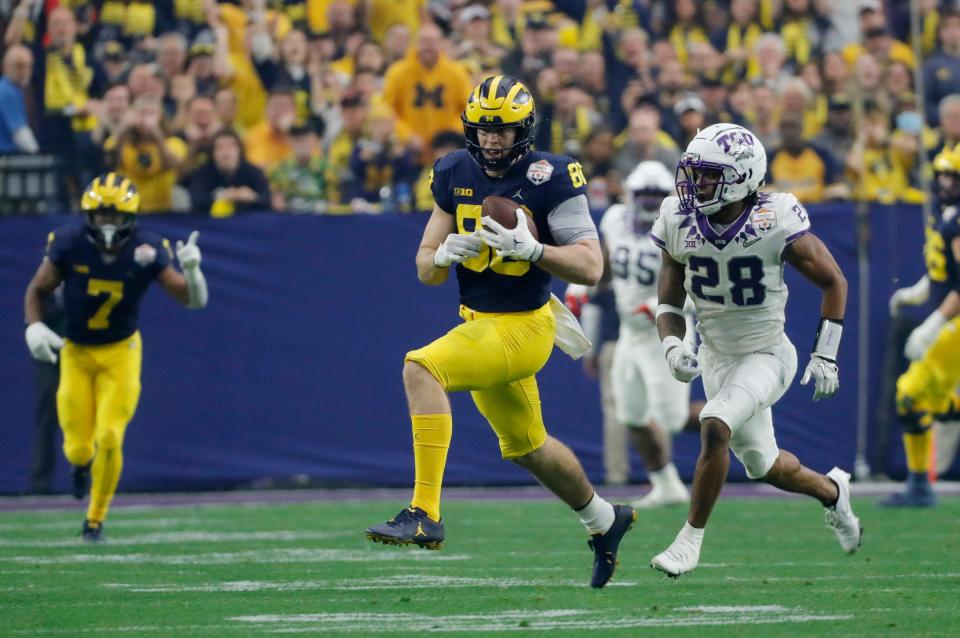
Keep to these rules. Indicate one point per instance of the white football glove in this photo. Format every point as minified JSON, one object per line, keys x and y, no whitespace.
{"x":681,"y":359}
{"x":517,"y":243}
{"x":43,"y":342}
{"x":188,"y":254}
{"x":924,"y":335}
{"x":913,"y":295}
{"x":825,"y":375}
{"x":457,"y":249}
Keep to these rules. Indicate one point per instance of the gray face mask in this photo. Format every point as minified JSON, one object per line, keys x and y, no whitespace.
{"x":109,"y":231}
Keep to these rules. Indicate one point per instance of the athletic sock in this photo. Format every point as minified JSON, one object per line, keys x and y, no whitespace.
{"x":692,"y":534}
{"x":107,"y":465}
{"x":597,"y":515}
{"x":431,"y":440}
{"x":917,"y":448}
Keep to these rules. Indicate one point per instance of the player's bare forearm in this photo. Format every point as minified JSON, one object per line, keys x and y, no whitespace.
{"x":44,"y":282}
{"x":813,"y":259}
{"x":670,"y":291}
{"x":950,"y":306}
{"x":427,"y":272}
{"x":440,"y":224}
{"x":579,"y":263}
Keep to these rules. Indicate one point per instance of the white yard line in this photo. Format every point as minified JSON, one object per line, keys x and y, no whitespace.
{"x":250,"y":556}
{"x":163,"y":538}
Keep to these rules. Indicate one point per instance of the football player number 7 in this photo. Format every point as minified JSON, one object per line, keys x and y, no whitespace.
{"x":487,"y":258}
{"x":114,"y":291}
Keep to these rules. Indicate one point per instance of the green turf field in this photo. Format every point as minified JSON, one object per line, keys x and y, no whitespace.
{"x":769,"y":568}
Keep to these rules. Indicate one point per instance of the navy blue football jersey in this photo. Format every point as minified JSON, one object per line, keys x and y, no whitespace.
{"x":942,"y":268}
{"x":102,"y":297}
{"x":539,"y":182}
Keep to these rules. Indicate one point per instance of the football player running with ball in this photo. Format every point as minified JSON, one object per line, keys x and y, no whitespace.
{"x":724,"y":244}
{"x":106,"y":265}
{"x":511,"y":321}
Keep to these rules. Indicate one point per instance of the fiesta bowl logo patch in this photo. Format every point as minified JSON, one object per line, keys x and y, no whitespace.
{"x":763,"y":219}
{"x":540,"y":172}
{"x":145,"y":254}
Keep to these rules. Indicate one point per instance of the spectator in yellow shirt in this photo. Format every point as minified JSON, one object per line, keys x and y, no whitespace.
{"x":266,"y":144}
{"x":872,"y":165}
{"x":142,"y":152}
{"x":427,"y":90}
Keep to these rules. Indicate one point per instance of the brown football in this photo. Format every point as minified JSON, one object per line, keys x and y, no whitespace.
{"x":503,"y":210}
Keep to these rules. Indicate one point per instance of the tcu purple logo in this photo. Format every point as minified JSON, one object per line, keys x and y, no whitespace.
{"x":737,"y":141}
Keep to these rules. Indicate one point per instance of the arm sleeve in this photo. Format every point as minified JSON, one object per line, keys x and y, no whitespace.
{"x":440,"y":187}
{"x":58,"y":245}
{"x":570,"y":222}
{"x":795,"y":219}
{"x":24,"y":139}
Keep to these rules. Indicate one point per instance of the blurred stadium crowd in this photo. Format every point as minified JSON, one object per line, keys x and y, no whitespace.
{"x":339,"y":106}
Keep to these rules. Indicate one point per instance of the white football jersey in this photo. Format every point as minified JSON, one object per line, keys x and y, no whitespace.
{"x":735,"y":275}
{"x":634,"y":266}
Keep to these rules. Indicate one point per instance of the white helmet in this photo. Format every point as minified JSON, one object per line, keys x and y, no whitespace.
{"x":732,"y":151}
{"x":645,"y":188}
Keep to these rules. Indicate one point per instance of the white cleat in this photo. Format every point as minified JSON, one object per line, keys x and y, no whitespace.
{"x":662,"y":497}
{"x":681,"y":557}
{"x":840,"y":517}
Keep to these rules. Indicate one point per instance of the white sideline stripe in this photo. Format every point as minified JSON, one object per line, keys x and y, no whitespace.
{"x":406,"y":581}
{"x":162,"y":538}
{"x":532,"y":620}
{"x":731,"y":609}
{"x":251,"y":556}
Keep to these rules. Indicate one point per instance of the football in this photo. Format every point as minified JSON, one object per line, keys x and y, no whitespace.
{"x":503,"y":210}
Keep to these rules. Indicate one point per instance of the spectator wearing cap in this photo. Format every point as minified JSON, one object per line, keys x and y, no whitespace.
{"x":941,"y":73}
{"x":16,"y":135}
{"x":427,"y":90}
{"x":115,"y":65}
{"x":380,"y":163}
{"x":141,"y":151}
{"x":298,"y":183}
{"x":644,"y":141}
{"x":716,"y":105}
{"x":836,"y":136}
{"x":537,"y":42}
{"x":200,"y":64}
{"x":442,"y":144}
{"x":799,"y":167}
{"x":691,"y":116}
{"x":875,"y":39}
{"x":340,"y":144}
{"x":475,"y":48}
{"x":267,"y":143}
{"x":227,"y":184}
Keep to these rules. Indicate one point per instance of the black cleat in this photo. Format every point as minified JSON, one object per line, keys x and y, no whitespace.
{"x":81,"y":480}
{"x":410,"y":526}
{"x":605,"y":546}
{"x":92,"y":532}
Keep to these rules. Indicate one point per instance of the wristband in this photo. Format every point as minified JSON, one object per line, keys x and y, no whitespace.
{"x":669,"y":343}
{"x":667,"y":309}
{"x":827,"y":342}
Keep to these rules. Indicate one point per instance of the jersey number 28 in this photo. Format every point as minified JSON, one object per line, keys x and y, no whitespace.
{"x":744,"y":273}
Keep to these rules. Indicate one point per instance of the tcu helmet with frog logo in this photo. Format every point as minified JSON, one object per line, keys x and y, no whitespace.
{"x":732,"y":151}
